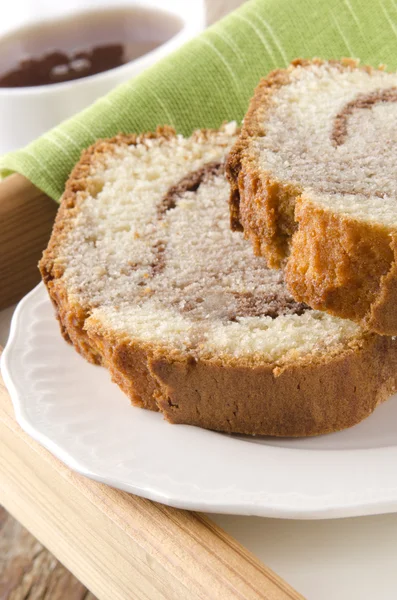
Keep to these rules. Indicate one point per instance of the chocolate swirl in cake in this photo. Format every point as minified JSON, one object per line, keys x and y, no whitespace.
{"x":362,"y":101}
{"x":209,"y":294}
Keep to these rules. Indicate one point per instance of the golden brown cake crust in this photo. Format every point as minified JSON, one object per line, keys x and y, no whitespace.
{"x":300,"y":400}
{"x":318,"y":395}
{"x":353,"y":274}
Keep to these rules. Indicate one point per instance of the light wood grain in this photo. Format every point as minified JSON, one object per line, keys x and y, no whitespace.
{"x":26,"y":217}
{"x":121,"y":546}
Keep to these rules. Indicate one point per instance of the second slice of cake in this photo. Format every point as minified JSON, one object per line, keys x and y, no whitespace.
{"x":314,"y":186}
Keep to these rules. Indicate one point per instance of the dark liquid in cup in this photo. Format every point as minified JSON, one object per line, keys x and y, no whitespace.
{"x":83,"y":45}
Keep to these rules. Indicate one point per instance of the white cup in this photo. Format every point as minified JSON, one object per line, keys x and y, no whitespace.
{"x":27,"y":112}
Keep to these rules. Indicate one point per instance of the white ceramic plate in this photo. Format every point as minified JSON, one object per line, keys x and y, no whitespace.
{"x":73,"y":409}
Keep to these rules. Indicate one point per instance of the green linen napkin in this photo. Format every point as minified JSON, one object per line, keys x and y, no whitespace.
{"x":212,"y":78}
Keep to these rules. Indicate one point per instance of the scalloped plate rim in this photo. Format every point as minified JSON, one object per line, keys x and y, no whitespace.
{"x":382,"y":501}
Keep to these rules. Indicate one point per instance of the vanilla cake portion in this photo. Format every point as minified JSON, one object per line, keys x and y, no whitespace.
{"x":148,"y":279}
{"x":338,"y":141}
{"x":314,"y":185}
